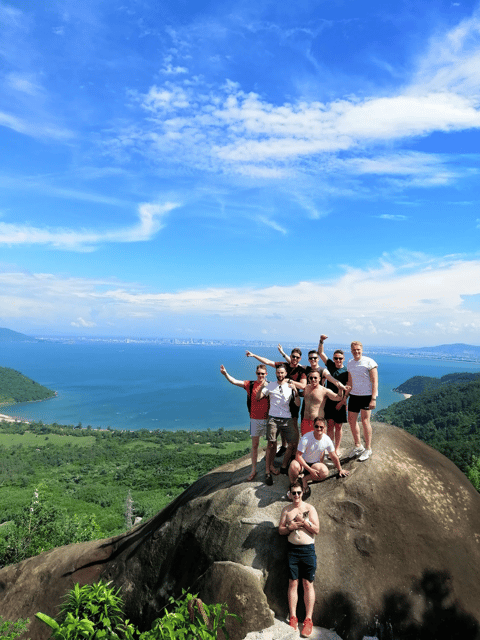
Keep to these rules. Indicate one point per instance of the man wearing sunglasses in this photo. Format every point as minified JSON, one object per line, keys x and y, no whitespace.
{"x":282,"y":394}
{"x":258,"y":409}
{"x":335,"y":412}
{"x":310,"y":455}
{"x":299,"y":521}
{"x":314,"y":399}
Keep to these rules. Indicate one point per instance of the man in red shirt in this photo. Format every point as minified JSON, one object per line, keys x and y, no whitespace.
{"x":258,"y":409}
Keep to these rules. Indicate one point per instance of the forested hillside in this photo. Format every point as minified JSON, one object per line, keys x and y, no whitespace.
{"x":15,"y":387}
{"x":63,"y":484}
{"x":417,"y":384}
{"x":446,"y":417}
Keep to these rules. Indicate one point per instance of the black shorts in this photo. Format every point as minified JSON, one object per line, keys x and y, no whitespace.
{"x":331,"y":413}
{"x":302,"y":561}
{"x":357,"y":403}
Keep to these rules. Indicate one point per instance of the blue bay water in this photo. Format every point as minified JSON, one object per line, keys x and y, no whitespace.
{"x":152,"y":386}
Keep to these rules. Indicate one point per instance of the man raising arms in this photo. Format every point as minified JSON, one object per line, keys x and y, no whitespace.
{"x":335,"y":412}
{"x":258,"y":410}
{"x":279,"y":420}
{"x":363,"y":378}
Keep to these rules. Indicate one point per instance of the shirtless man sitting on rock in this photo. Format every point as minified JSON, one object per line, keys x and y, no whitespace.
{"x":299,"y":521}
{"x":315,"y":397}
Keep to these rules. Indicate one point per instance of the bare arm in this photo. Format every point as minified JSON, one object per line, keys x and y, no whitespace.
{"x":237,"y":383}
{"x":338,"y":384}
{"x":374,"y":381}
{"x":270,"y":363}
{"x":334,"y":396}
{"x":287,"y":358}
{"x":300,"y":384}
{"x":320,"y":350}
{"x":336,"y":461}
{"x":260,"y":394}
{"x":283,"y":529}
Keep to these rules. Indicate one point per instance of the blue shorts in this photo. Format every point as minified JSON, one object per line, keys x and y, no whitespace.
{"x":302,"y":561}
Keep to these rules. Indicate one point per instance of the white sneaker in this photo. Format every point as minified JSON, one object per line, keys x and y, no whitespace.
{"x":356,"y":451}
{"x":365,"y":455}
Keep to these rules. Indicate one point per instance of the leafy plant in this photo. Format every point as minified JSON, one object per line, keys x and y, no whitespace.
{"x":96,"y":612}
{"x":11,"y":630}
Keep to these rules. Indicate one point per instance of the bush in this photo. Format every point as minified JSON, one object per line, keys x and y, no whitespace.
{"x":96,"y":612}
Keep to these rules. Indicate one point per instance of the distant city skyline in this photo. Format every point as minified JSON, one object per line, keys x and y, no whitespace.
{"x":241,"y":170}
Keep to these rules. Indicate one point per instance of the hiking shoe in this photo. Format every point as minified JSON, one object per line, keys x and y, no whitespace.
{"x":268,"y":480}
{"x":280,"y":452}
{"x":293,"y":622}
{"x":365,"y":455}
{"x":307,"y":627}
{"x":284,"y":470}
{"x":356,"y":451}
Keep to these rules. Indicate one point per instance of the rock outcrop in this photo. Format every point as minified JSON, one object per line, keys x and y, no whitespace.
{"x":398,"y":550}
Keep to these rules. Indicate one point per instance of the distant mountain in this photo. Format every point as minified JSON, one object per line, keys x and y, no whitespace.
{"x":15,"y":387}
{"x":7,"y":335}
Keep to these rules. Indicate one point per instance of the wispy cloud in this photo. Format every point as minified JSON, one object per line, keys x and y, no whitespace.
{"x":373,"y":303}
{"x":150,"y":221}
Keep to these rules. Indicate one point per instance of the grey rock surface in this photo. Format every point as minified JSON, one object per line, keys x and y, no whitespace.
{"x":398,"y":549}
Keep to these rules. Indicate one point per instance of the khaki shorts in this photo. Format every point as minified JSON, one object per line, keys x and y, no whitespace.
{"x":285,"y":426}
{"x":258,"y":427}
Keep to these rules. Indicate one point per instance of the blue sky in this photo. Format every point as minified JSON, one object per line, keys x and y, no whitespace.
{"x":241,"y":169}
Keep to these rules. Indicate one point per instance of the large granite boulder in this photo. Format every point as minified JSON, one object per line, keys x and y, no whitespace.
{"x":398,"y":550}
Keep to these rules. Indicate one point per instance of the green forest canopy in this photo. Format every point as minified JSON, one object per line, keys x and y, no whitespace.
{"x":15,"y":387}
{"x":446,"y":415}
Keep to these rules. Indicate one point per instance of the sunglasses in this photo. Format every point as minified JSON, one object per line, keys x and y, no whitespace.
{"x":296,"y":493}
{"x":337,"y":358}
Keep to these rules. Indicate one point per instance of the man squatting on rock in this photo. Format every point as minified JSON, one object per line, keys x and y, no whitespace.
{"x":363,"y":380}
{"x":281,"y":394}
{"x":257,"y":409}
{"x":310,"y":455}
{"x":299,"y":521}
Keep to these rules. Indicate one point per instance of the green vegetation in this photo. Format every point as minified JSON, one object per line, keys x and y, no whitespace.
{"x":90,"y":483}
{"x":96,"y":611}
{"x":15,"y":387}
{"x":418,"y":384}
{"x":446,"y":417}
{"x":11,"y":630}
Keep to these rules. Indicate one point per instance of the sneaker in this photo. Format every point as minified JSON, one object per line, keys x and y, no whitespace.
{"x":284,"y":471}
{"x":356,"y":451}
{"x":307,"y":627}
{"x":293,"y":622}
{"x":365,"y":455}
{"x":280,"y":452}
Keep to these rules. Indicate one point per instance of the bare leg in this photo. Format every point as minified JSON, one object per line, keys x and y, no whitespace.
{"x":331,"y":429}
{"x":338,"y":436}
{"x":352,"y":421}
{"x":309,"y":597}
{"x":255,"y":443}
{"x":367,"y":428}
{"x":293,"y":597}
{"x":321,"y":468}
{"x":294,"y":470}
{"x":270,"y":457}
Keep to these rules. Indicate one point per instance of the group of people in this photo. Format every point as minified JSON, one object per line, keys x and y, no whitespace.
{"x":274,"y":409}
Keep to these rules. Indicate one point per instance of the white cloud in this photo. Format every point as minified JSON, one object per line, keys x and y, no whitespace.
{"x":391,"y":302}
{"x":150,"y":222}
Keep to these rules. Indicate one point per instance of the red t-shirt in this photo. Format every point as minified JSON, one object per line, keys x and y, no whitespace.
{"x":258,"y":410}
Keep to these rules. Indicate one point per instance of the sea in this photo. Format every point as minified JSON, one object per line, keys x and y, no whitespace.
{"x":135,"y":385}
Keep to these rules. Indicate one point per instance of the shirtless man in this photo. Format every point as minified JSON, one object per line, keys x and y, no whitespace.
{"x":299,"y":521}
{"x":315,"y":397}
{"x":310,"y":457}
{"x":258,"y":410}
